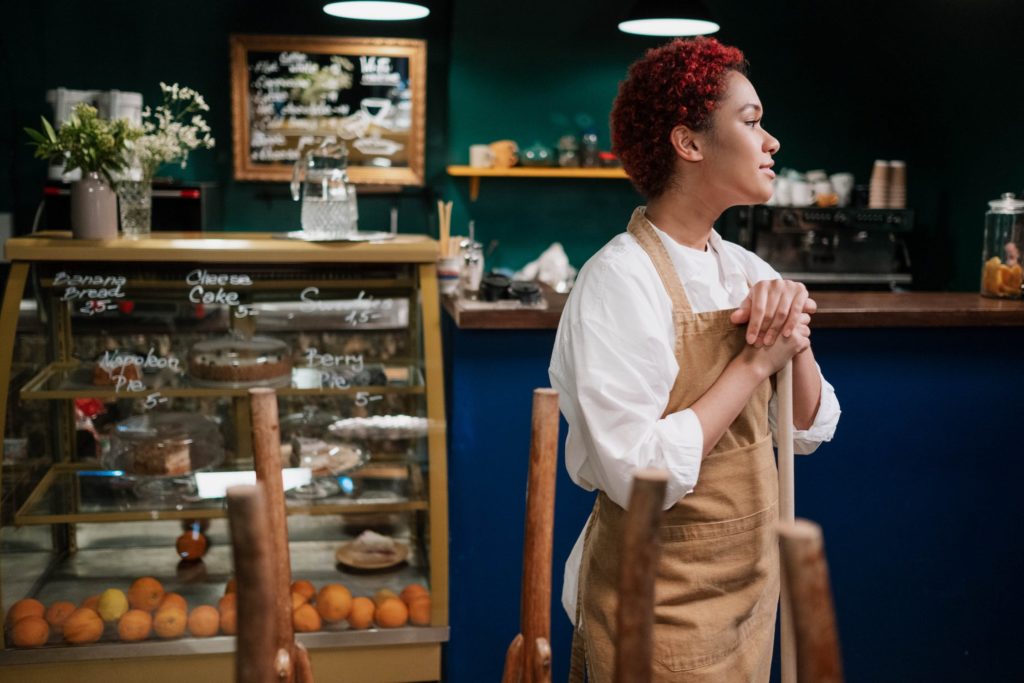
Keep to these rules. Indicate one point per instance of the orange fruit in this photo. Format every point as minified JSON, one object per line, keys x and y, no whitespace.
{"x":29,"y":607}
{"x":382,"y":595}
{"x":229,"y":600}
{"x":145,"y":594}
{"x":30,"y":632}
{"x":304,"y":588}
{"x":58,"y":612}
{"x":173,"y":600}
{"x":191,"y":545}
{"x":169,"y":622}
{"x":392,"y":613}
{"x":419,"y":610}
{"x":83,"y":626}
{"x":306,"y":619}
{"x":204,"y":621}
{"x":361,"y":614}
{"x":411,"y":591}
{"x":229,"y":619}
{"x":92,"y":602}
{"x":298,"y":600}
{"x":333,"y":602}
{"x":229,"y":587}
{"x":135,"y":625}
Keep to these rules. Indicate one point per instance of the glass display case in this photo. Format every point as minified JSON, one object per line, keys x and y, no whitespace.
{"x":126,"y":424}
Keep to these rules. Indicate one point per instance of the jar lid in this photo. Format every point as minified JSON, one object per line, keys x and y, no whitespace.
{"x":1008,"y":203}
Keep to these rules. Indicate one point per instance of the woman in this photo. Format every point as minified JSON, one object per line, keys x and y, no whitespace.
{"x":663,"y":359}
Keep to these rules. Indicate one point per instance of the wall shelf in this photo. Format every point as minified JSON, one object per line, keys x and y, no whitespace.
{"x":475,"y":174}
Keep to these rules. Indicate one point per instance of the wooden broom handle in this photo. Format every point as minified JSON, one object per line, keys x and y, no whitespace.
{"x":535,"y":610}
{"x":266,"y":446}
{"x":803,"y":557}
{"x":640,"y":547}
{"x":254,"y":575}
{"x":787,"y":510}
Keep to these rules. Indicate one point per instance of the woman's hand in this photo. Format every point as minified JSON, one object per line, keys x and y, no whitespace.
{"x":769,"y":359}
{"x":773,"y":309}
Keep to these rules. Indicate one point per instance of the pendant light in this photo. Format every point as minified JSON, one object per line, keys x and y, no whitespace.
{"x":669,"y":18}
{"x":378,"y":10}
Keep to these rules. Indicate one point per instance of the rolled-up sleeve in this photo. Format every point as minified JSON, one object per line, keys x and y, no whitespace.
{"x":806,"y":441}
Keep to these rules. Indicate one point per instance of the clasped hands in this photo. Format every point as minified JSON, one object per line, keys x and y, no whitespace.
{"x":774,"y":310}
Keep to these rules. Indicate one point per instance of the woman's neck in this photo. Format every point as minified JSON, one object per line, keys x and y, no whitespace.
{"x":684,"y":218}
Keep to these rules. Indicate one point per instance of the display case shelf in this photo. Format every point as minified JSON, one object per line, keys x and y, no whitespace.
{"x":96,"y":495}
{"x":88,"y":572}
{"x":71,"y":379}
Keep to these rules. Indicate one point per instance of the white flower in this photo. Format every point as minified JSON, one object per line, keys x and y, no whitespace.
{"x":173,"y":129}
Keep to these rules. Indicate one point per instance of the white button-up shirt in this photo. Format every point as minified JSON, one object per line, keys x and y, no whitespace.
{"x":614,"y":366}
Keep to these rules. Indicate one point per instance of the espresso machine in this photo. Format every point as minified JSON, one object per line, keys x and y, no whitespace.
{"x":839,"y":248}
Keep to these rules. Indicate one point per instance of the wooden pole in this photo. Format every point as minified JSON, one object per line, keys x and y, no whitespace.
{"x":814,"y":619}
{"x":254,"y":574}
{"x":535,"y":612}
{"x":514,"y":661}
{"x":787,"y":510}
{"x":266,"y":445}
{"x":640,"y":545}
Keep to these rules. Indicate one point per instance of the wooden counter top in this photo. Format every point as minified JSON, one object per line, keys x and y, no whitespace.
{"x":220,"y":247}
{"x":835,"y":310}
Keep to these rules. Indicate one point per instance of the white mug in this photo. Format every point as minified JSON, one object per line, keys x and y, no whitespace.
{"x":842,"y":183}
{"x":801,"y":193}
{"x":481,"y":156}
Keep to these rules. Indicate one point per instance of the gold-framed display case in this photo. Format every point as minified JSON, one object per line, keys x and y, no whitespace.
{"x":125,"y":422}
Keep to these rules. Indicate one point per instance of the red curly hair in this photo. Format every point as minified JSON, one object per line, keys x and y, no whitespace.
{"x":675,"y":84}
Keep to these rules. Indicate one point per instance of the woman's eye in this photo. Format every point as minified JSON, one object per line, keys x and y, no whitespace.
{"x":753,"y":123}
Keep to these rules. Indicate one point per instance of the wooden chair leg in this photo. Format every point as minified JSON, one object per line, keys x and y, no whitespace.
{"x":640,"y":544}
{"x":535,"y":604}
{"x":256,"y":646}
{"x":806,"y":573}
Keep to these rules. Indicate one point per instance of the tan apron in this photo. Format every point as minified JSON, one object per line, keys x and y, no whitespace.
{"x":717,"y":583}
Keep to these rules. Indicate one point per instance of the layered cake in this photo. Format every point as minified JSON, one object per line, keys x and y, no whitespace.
{"x":243,"y":361}
{"x":162,"y":458}
{"x":160,"y":444}
{"x":370,"y":547}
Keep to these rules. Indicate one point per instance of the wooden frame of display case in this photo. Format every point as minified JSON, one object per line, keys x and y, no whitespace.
{"x":380,"y":655}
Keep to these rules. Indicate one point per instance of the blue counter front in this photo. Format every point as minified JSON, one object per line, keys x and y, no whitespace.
{"x":919,"y":496}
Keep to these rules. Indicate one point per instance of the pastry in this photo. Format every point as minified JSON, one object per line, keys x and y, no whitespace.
{"x":162,"y":458}
{"x":323,"y":457}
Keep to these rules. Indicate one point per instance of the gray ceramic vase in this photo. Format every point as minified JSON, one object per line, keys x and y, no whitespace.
{"x":93,"y":208}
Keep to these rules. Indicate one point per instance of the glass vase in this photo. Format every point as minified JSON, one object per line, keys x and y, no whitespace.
{"x":135,"y":198}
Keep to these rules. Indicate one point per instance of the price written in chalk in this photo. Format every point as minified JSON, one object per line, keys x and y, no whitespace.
{"x":154,"y":400}
{"x":365,"y":398}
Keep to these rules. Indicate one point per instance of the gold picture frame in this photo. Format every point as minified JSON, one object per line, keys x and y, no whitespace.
{"x":370,"y":92}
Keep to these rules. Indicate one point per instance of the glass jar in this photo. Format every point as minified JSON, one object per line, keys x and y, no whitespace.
{"x":1001,"y":274}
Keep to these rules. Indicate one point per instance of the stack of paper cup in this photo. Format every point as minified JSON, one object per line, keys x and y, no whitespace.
{"x":878,"y":193}
{"x":897,"y":185}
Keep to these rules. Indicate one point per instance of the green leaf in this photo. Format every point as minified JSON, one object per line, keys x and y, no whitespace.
{"x":50,"y":133}
{"x":36,"y":136}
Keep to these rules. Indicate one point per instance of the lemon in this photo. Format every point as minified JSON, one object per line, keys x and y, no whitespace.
{"x":113,"y":603}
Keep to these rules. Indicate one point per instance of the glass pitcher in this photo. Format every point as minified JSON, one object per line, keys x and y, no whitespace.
{"x":1001,"y":274}
{"x":320,"y":182}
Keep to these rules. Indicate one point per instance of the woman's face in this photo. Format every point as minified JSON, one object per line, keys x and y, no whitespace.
{"x":737,"y":163}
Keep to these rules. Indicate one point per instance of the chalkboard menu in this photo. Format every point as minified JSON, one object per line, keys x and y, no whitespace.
{"x":290,"y":94}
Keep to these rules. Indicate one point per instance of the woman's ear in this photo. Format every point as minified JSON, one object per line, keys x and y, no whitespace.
{"x":687,"y":144}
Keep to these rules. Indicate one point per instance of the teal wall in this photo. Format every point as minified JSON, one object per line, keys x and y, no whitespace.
{"x":933,"y":83}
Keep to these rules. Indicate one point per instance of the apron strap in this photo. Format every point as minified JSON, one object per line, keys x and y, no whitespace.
{"x":640,"y":228}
